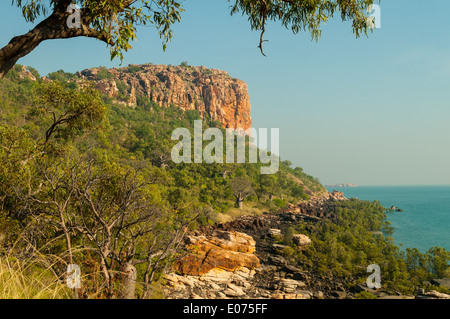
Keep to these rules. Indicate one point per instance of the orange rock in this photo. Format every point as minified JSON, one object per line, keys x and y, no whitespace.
{"x":224,"y":250}
{"x":209,"y":91}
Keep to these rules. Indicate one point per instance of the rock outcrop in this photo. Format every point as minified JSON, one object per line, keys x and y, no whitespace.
{"x":26,"y":74}
{"x":247,"y":259}
{"x":244,"y":259}
{"x":315,"y":209}
{"x":443,"y":282}
{"x":211,"y":92}
{"x":216,"y":265}
{"x":241,"y":259}
{"x":432,"y":294}
{"x":219,"y":251}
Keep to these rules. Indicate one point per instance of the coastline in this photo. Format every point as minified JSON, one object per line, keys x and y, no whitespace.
{"x":422,"y":223}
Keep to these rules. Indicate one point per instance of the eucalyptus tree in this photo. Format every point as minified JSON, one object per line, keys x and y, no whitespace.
{"x":115,"y":22}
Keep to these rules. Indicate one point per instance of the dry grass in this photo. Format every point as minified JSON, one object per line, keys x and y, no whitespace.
{"x":33,"y":276}
{"x":249,"y":209}
{"x":30,"y":280}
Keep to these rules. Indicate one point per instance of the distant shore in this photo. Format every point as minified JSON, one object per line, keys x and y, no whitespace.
{"x":341,"y":185}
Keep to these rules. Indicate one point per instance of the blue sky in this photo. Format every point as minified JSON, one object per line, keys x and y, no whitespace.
{"x":370,"y":111}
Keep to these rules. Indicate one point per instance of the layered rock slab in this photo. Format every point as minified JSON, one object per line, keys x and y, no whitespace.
{"x":210,"y":255}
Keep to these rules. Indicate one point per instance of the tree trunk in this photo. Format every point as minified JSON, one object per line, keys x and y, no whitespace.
{"x":240,"y":202}
{"x":129,"y":283}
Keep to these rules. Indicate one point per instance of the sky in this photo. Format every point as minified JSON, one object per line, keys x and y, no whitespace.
{"x":369,"y":111}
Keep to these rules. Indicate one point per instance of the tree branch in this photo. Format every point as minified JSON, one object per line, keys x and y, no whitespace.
{"x":53,"y":27}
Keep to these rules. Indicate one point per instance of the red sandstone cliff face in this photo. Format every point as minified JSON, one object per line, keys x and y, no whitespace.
{"x":209,"y":91}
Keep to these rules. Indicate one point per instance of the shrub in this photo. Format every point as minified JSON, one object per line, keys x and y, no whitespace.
{"x":61,"y":76}
{"x":103,"y":74}
{"x":288,"y":235}
{"x":279,"y":202}
{"x":365,"y":295}
{"x":288,"y":252}
{"x":134,"y":68}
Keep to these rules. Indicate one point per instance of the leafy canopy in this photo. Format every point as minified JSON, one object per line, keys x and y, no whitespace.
{"x":115,"y":21}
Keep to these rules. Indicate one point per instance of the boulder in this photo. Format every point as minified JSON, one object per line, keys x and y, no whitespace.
{"x":288,"y":285}
{"x":301,"y":240}
{"x":234,"y":291}
{"x":433,"y":294}
{"x":275,"y":233}
{"x":25,"y":74}
{"x":222,"y":250}
{"x":336,"y":196}
{"x":277,"y":260}
{"x":291,"y":269}
{"x":298,"y":295}
{"x":443,"y":282}
{"x":318,"y":295}
{"x":339,"y":294}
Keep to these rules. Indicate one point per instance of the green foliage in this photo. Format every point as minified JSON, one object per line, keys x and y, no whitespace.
{"x":279,"y":202}
{"x":365,"y":295}
{"x":103,"y":74}
{"x":61,"y":76}
{"x":288,"y":235}
{"x":134,"y":68}
{"x":53,"y":132}
{"x":115,"y":22}
{"x":184,"y":64}
{"x":69,"y":111}
{"x":304,"y":15}
{"x":34,"y":72}
{"x":432,"y":264}
{"x":140,"y":134}
{"x":345,"y":246}
{"x":298,"y":192}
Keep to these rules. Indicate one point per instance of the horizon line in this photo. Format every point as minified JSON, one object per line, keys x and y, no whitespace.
{"x":383,"y":185}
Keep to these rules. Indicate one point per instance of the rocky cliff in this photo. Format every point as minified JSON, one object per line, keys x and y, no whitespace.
{"x":211,"y":92}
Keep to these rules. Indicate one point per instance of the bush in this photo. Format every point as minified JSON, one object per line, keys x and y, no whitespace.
{"x":134,"y":68}
{"x":288,"y":252}
{"x":61,"y":76}
{"x":288,"y":235}
{"x":122,"y":87}
{"x":365,"y":295}
{"x":279,"y":202}
{"x":103,"y":74}
{"x":298,"y":192}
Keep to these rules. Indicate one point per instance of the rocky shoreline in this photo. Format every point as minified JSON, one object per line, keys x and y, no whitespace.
{"x":242,"y":259}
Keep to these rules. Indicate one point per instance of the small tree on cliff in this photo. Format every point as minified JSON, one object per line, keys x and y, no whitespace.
{"x":242,"y":188}
{"x":114,"y":22}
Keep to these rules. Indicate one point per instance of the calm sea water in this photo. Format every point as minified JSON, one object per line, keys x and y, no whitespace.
{"x":425,"y":219}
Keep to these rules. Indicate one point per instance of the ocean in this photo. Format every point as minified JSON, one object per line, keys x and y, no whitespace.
{"x":425,"y":219}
